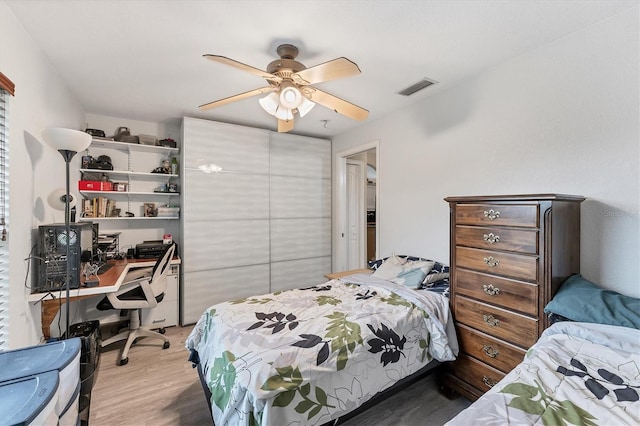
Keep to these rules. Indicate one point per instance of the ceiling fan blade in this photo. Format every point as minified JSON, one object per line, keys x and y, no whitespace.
{"x":332,"y":70}
{"x":237,"y":97}
{"x":338,"y":105}
{"x":285,"y":125}
{"x":243,"y":67}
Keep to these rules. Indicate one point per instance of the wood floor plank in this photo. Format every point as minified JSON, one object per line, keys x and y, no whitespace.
{"x":158,"y":387}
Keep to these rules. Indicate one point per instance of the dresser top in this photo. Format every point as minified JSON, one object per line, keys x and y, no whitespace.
{"x":515,"y":197}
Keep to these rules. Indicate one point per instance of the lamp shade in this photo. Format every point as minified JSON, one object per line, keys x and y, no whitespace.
{"x":283,"y":113}
{"x":305,"y":106}
{"x":290,"y":97}
{"x":270,"y":103}
{"x":57,"y":197}
{"x":66,"y":139}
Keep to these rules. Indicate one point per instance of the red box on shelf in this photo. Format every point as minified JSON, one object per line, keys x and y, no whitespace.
{"x":94,"y":185}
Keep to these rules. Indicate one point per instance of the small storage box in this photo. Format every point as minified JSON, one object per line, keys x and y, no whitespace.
{"x":62,"y":357}
{"x":148,"y":140}
{"x":168,"y":211}
{"x":30,"y":400}
{"x":94,"y":185}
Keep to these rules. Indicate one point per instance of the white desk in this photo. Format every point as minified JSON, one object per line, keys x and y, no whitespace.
{"x":110,"y":282}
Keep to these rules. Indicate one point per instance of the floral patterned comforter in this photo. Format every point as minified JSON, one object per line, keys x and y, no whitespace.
{"x":576,"y":374}
{"x":310,"y":355}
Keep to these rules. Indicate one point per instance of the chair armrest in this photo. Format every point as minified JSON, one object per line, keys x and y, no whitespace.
{"x":145,"y":285}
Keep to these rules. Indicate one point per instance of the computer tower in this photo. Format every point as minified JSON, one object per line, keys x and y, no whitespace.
{"x":51,"y":261}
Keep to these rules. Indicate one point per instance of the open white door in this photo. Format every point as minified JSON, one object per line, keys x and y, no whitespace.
{"x":355,"y":214}
{"x":343,"y":257}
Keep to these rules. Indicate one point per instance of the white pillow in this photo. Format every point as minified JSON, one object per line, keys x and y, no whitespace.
{"x":404,"y":272}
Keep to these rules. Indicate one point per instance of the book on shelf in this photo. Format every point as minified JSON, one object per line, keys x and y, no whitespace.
{"x":98,"y":207}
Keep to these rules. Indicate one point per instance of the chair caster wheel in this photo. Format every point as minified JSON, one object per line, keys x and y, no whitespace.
{"x":162,"y":330}
{"x":166,"y":345}
{"x":124,"y":361}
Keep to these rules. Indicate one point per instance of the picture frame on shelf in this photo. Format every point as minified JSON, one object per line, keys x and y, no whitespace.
{"x":150,"y":210}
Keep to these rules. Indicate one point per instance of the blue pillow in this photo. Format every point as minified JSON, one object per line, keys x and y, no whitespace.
{"x":581,"y":300}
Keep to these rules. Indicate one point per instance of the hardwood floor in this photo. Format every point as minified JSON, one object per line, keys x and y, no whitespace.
{"x":158,"y":387}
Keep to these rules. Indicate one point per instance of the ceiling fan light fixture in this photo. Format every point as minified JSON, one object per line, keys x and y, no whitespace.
{"x":283,"y":113}
{"x":305,"y":106}
{"x":270,"y":103}
{"x":290,"y":97}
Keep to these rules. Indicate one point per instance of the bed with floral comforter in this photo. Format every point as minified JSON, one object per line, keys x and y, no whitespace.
{"x":576,"y":374}
{"x":310,"y":355}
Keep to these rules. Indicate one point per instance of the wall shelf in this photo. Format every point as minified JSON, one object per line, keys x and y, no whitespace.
{"x":133,"y":164}
{"x":133,"y":147}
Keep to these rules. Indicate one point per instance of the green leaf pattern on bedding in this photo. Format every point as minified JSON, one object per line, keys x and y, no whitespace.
{"x":223,"y":377}
{"x":306,"y":352}
{"x":575,"y":374}
{"x":290,"y":379}
{"x":327,"y":300}
{"x":534,"y":400}
{"x":344,"y":336}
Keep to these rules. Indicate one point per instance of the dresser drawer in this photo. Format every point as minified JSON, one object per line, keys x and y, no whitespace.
{"x":494,"y":352}
{"x":503,"y":292}
{"x":510,"y":326}
{"x":494,"y":262}
{"x":524,"y":215}
{"x":519,"y":240}
{"x":476,"y":373}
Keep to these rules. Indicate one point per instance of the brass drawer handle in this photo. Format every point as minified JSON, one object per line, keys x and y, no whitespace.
{"x":490,"y":320}
{"x":490,"y":289}
{"x":490,"y":351}
{"x":489,"y":381}
{"x":492,"y":214}
{"x":491,"y":238}
{"x":491,"y":261}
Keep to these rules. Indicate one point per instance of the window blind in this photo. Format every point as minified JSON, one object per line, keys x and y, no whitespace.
{"x":6,"y":89}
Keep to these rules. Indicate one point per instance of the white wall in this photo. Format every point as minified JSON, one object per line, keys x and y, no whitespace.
{"x":563,"y":118}
{"x":41,"y":101}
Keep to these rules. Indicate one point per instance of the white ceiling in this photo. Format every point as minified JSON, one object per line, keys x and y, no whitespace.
{"x":142,"y":60}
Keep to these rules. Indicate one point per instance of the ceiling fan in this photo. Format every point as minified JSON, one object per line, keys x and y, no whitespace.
{"x":290,"y":89}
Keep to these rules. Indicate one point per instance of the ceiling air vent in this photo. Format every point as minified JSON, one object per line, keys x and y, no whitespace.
{"x":422,"y":84}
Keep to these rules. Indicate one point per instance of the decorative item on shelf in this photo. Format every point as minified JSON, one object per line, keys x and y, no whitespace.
{"x":167,"y":143}
{"x":168,"y":211}
{"x":165,"y":167}
{"x":150,"y":210}
{"x":95,"y":132}
{"x":68,"y":143}
{"x":120,"y":186}
{"x":172,"y":187}
{"x":124,"y":135}
{"x":148,"y":140}
{"x":103,"y":162}
{"x":174,"y":166}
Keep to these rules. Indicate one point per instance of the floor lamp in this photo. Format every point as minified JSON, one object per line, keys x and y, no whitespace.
{"x":67,"y":142}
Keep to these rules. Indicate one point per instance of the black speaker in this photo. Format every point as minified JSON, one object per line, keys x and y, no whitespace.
{"x":52,"y":255}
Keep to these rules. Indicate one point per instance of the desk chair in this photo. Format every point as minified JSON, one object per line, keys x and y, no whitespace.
{"x":141,"y":293}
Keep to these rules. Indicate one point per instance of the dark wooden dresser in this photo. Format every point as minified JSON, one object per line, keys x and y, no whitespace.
{"x":509,"y":255}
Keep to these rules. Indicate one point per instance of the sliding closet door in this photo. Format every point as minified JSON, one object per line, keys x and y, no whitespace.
{"x":300,"y":212}
{"x":261,"y":225}
{"x":225,"y":236}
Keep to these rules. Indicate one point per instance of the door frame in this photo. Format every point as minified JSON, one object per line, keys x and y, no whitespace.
{"x":339,"y":240}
